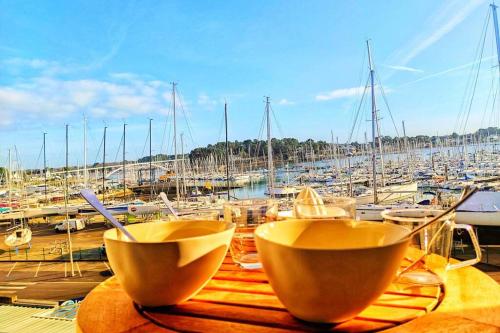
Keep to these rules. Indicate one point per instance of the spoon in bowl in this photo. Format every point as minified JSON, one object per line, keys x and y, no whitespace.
{"x":91,"y":198}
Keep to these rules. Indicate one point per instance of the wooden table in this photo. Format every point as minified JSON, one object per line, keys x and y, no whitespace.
{"x":242,"y":301}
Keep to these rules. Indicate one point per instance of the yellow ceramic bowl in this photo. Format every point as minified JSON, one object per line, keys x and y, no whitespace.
{"x":329,"y":271}
{"x":171,"y":261}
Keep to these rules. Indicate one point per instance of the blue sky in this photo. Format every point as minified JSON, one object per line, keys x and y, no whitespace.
{"x":114,"y":60}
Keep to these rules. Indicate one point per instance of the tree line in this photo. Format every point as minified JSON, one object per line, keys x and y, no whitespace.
{"x":289,"y":148}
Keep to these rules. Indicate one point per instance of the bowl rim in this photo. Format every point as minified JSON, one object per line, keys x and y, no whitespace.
{"x":230,"y":226}
{"x":402,"y":240}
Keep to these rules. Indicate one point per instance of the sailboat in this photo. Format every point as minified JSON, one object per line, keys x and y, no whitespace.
{"x":272,"y":190}
{"x":21,"y":233}
{"x":383,"y":194}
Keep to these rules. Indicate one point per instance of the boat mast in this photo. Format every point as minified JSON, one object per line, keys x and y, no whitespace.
{"x":332,"y":153}
{"x":85,"y":171}
{"x":408,"y":153}
{"x":68,"y":227}
{"x":150,"y":164}
{"x":123,"y":153}
{"x":44,"y":168}
{"x":381,"y":152}
{"x":270,"y":167}
{"x":183,"y":167}
{"x":497,"y":37}
{"x":176,"y":168}
{"x":227,"y":153}
{"x":374,"y":120}
{"x":10,"y":181}
{"x":103,"y":164}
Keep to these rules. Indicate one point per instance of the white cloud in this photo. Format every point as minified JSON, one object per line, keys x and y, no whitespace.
{"x":340,"y":93}
{"x":446,"y":71}
{"x":45,"y":67}
{"x":349,"y":92}
{"x":284,"y":101}
{"x":45,"y":97}
{"x":441,"y":23}
{"x":404,"y":68}
{"x":205,"y":101}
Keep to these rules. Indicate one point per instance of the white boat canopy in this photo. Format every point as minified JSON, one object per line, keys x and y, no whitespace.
{"x":482,"y":202}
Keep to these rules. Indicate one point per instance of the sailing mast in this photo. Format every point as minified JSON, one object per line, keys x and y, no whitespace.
{"x":68,"y":226}
{"x":85,"y":171}
{"x":103,"y":164}
{"x":10,"y":181}
{"x":332,"y":152}
{"x":44,"y":169}
{"x":183,"y":168}
{"x":374,"y":120}
{"x":123,"y":167}
{"x":227,"y":153}
{"x":176,"y":168}
{"x":150,"y":164}
{"x":497,"y":37}
{"x":408,"y":153}
{"x":270,"y":167}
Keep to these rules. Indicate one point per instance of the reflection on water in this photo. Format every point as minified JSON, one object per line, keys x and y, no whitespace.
{"x":253,"y":190}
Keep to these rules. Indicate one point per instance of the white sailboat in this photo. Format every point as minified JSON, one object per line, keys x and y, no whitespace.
{"x":19,"y":235}
{"x":272,"y":190}
{"x":383,"y":194}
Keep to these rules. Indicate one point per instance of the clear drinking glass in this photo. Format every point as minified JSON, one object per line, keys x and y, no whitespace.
{"x":329,"y":207}
{"x":433,"y":245}
{"x":207,"y":215}
{"x":248,"y":215}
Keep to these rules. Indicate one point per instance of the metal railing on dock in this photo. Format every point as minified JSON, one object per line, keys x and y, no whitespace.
{"x":53,"y":254}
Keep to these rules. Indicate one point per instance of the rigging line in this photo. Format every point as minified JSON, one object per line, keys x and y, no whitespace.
{"x":469,"y":79}
{"x":360,"y":81}
{"x":260,"y":134}
{"x":170,"y":141}
{"x":490,"y":94}
{"x":38,"y":158}
{"x":362,"y":114}
{"x":165,"y":129}
{"x":145,"y":144}
{"x":99,"y":150}
{"x":384,"y":97}
{"x":220,"y":127}
{"x":118,"y":150}
{"x":19,"y":163}
{"x":493,"y":106}
{"x":475,"y":83}
{"x":276,"y":121}
{"x":185,"y":117}
{"x":357,"y":112}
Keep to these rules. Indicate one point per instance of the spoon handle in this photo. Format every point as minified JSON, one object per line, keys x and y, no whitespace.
{"x":91,"y":198}
{"x":465,"y":195}
{"x":167,"y":202}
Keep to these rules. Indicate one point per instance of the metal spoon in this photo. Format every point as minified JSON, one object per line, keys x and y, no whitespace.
{"x":167,"y":202}
{"x":467,"y":193}
{"x":91,"y":198}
